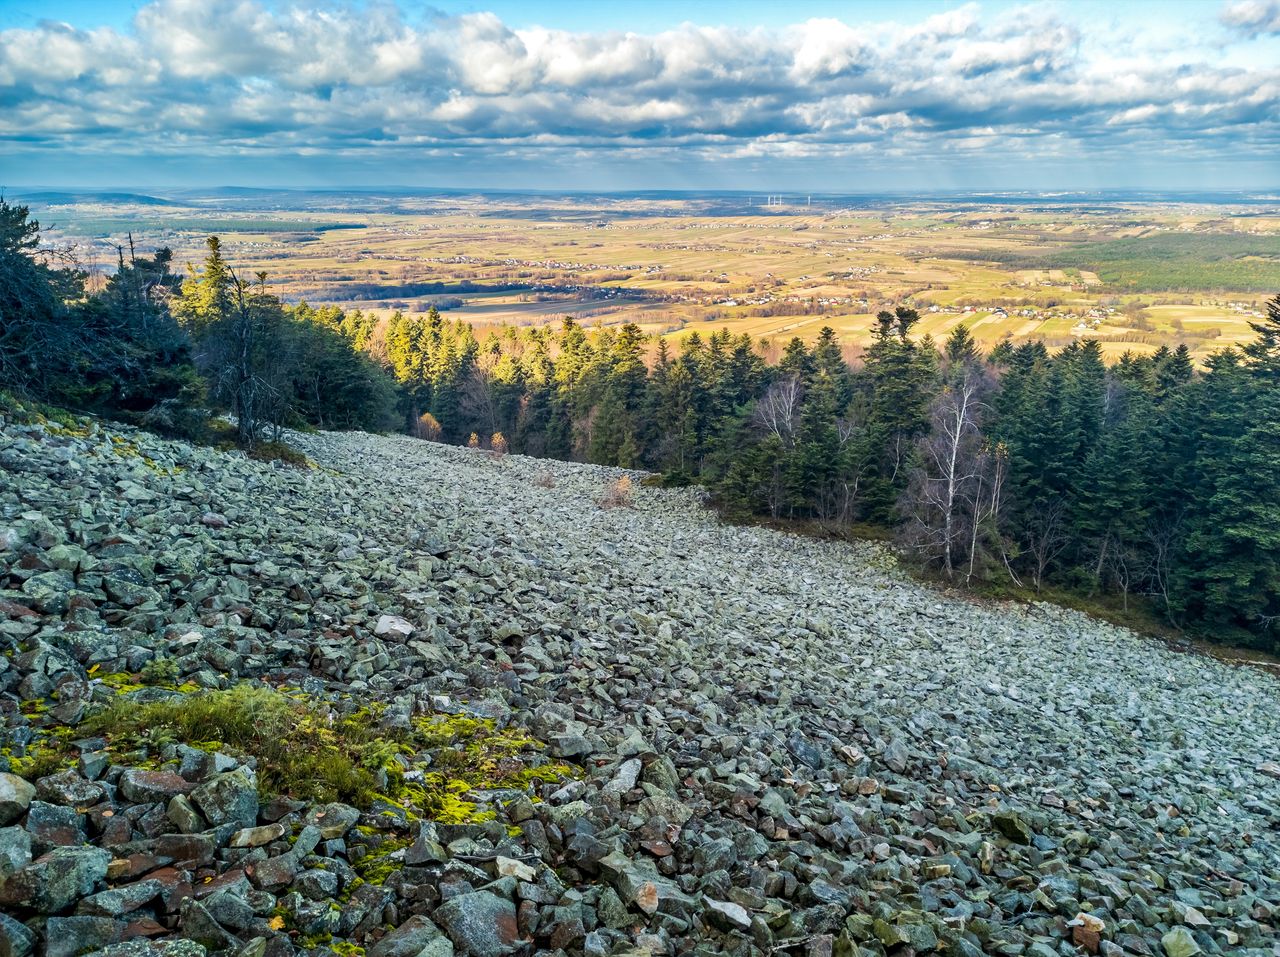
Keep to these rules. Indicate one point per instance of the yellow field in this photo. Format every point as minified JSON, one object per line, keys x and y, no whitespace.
{"x":675,"y":270}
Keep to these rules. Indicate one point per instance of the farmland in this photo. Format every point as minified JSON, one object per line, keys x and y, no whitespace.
{"x":1134,"y":274}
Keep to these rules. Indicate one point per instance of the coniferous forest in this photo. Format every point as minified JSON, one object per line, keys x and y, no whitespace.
{"x":1149,"y":481}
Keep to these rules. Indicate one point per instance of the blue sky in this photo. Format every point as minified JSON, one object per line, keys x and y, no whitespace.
{"x":820,"y":96}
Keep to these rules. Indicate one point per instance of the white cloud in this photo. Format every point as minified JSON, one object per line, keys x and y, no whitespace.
{"x":1253,"y":17}
{"x":190,"y":74}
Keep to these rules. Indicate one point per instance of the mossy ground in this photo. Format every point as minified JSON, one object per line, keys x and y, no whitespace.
{"x":307,"y":750}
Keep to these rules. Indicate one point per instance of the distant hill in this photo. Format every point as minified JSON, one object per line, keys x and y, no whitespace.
{"x":49,"y":198}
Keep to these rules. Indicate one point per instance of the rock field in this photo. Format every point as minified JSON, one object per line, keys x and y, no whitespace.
{"x":781,"y":745}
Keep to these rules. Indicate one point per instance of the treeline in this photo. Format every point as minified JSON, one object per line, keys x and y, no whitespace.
{"x":167,"y":352}
{"x":1148,"y":479}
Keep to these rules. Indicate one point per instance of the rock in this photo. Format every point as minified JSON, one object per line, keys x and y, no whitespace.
{"x":257,"y":836}
{"x":1086,"y":931}
{"x":507,"y":867}
{"x":16,"y":940}
{"x":184,"y":816}
{"x":15,"y":850}
{"x":727,"y":915}
{"x":1179,"y":943}
{"x":480,"y":924}
{"x":228,"y":798}
{"x":71,"y":936}
{"x":51,"y":825}
{"x":54,"y":881}
{"x":15,"y":797}
{"x":1012,"y":826}
{"x":70,"y":789}
{"x":275,"y":872}
{"x":151,"y":948}
{"x":636,"y":884}
{"x":416,"y":937}
{"x":122,"y":900}
{"x":146,"y":787}
{"x":49,"y":592}
{"x":425,"y":849}
{"x":393,"y":625}
{"x":334,"y":820}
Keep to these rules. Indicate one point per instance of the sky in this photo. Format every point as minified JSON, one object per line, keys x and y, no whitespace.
{"x":799,"y":96}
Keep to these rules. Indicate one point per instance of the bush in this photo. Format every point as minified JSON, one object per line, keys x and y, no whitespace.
{"x":619,"y":494}
{"x":278,"y":452}
{"x":428,"y":427}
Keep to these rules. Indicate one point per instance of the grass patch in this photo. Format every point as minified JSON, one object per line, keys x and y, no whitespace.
{"x":301,"y":750}
{"x":307,"y":751}
{"x":278,"y":452}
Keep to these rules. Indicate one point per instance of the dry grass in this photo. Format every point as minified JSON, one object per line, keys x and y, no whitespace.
{"x":619,"y":494}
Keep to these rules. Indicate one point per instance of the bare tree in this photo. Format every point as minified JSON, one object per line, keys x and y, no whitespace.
{"x":778,"y":411}
{"x":1163,"y":533}
{"x":479,"y":399}
{"x":1046,"y":534}
{"x":945,"y":499}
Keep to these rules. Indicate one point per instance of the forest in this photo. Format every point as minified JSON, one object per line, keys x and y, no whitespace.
{"x":1150,"y":480}
{"x":1166,"y":262}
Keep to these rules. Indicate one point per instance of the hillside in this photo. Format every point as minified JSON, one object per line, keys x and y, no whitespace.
{"x":752,"y":742}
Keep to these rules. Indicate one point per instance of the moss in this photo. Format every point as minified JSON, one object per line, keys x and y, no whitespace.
{"x":306,"y":751}
{"x":279,"y":452}
{"x":121,"y":682}
{"x":302,"y":750}
{"x":41,"y":757}
{"x":162,"y":671}
{"x":376,"y":866}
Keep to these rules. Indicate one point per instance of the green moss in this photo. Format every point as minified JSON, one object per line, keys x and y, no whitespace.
{"x":302,"y":750}
{"x":305,"y":750}
{"x":121,"y":682}
{"x":39,"y":758}
{"x":376,"y":866}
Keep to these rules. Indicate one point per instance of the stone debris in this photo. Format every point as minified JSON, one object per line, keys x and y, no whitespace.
{"x":786,"y":746}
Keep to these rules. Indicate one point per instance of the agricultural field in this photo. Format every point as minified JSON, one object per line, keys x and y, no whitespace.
{"x":1134,"y":274}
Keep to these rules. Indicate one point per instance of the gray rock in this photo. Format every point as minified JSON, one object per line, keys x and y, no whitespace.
{"x":152,"y":948}
{"x":16,"y":939}
{"x":144,"y":787}
{"x":121,"y":900}
{"x":15,"y":797}
{"x":71,"y":936}
{"x":416,"y":937}
{"x":228,"y":798}
{"x":480,"y":924}
{"x":54,"y":881}
{"x":15,"y":850}
{"x":257,"y":836}
{"x":69,"y":788}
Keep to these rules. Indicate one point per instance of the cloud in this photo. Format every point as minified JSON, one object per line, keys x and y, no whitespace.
{"x":1253,"y":18}
{"x":369,"y":79}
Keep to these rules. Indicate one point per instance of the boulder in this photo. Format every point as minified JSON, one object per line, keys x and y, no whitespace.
{"x":228,"y":798}
{"x":54,"y":881}
{"x":15,"y":797}
{"x":480,"y":924}
{"x":416,"y":937}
